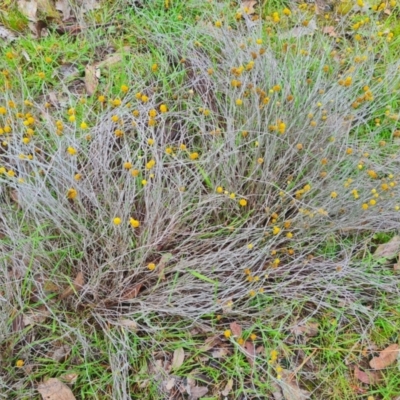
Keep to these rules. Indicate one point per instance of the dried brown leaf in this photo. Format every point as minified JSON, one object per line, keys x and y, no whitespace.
{"x":220,"y":352}
{"x":310,"y":329}
{"x":77,"y":285}
{"x":250,"y":352}
{"x":388,"y":250}
{"x":53,"y":389}
{"x":65,"y":8}
{"x":170,"y":384}
{"x":211,"y":342}
{"x":197,"y":392}
{"x":228,"y":388}
{"x":179,"y":357}
{"x":386,"y":357}
{"x":6,"y":34}
{"x":329,"y":30}
{"x":111,"y":60}
{"x":28,"y":8}
{"x":69,"y":377}
{"x":248,"y":6}
{"x":61,"y":353}
{"x":236,"y":329}
{"x":369,"y":378}
{"x":132,"y":292}
{"x":91,"y":80}
{"x":36,"y":316}
{"x":290,"y":388}
{"x":129,"y":323}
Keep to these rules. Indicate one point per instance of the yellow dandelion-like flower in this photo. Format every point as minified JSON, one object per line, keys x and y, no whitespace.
{"x":250,"y":246}
{"x":150,"y":142}
{"x":260,"y":160}
{"x":77,"y":177}
{"x":372,"y":202}
{"x":349,"y":151}
{"x":163,"y":108}
{"x":154,"y":67}
{"x":152,"y":113}
{"x":11,"y":173}
{"x":194,"y":156}
{"x":118,"y":133}
{"x":289,"y":235}
{"x":117,"y":221}
{"x":135,"y":172}
{"x":151,"y":266}
{"x":72,"y":118}
{"x":134,"y":223}
{"x":239,"y":102}
{"x":219,"y":189}
{"x":116,"y":102}
{"x":72,"y":193}
{"x":228,"y":333}
{"x":84,"y":125}
{"x":124,"y":88}
{"x":127,"y":165}
{"x":232,"y":196}
{"x":150,"y":164}
{"x":243,"y":202}
{"x":372,"y":174}
{"x":20,"y":363}
{"x":144,"y":182}
{"x":182,"y":147}
{"x":101,"y":99}
{"x":169,"y":150}
{"x":218,"y":24}
{"x":252,"y":293}
{"x":276,"y":230}
{"x":334,"y":195}
{"x":253,"y":337}
{"x":71,"y":150}
{"x":240,"y":341}
{"x":364,"y":206}
{"x":144,"y":98}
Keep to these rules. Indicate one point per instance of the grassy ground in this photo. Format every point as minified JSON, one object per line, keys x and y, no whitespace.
{"x":204,"y":224}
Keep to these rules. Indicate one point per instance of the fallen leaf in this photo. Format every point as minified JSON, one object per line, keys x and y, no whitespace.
{"x":70,"y":377}
{"x":110,"y":60}
{"x":53,"y":389}
{"x":36,"y":317}
{"x":388,"y":250}
{"x":64,"y":7}
{"x":211,"y":342}
{"x":179,"y":356}
{"x":220,"y":353}
{"x":129,"y":323}
{"x":310,"y":329}
{"x":61,"y":353}
{"x":91,"y":79}
{"x":386,"y":357}
{"x":6,"y":34}
{"x":131,"y":292}
{"x":197,"y":391}
{"x":250,"y":352}
{"x":236,"y":329}
{"x":77,"y":285}
{"x":290,"y":389}
{"x":248,"y":6}
{"x":28,"y":8}
{"x":369,"y":378}
{"x":329,"y":30}
{"x":170,"y":384}
{"x":228,"y":388}
{"x":162,"y":263}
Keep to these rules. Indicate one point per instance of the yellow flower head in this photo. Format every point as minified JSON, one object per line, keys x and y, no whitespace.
{"x":134,"y":223}
{"x":72,"y":193}
{"x":151,"y":266}
{"x":117,"y":221}
{"x":71,"y":150}
{"x":243,"y":202}
{"x":228,"y":333}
